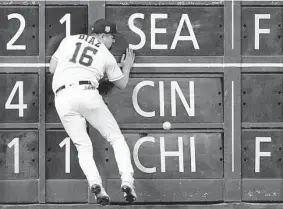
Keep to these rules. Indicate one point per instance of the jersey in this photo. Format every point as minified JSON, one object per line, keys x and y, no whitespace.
{"x":83,"y":58}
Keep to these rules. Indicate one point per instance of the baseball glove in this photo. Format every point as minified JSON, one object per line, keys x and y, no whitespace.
{"x":105,"y":86}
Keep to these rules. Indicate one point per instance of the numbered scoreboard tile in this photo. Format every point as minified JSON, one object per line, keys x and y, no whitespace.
{"x":65,"y":179}
{"x":19,"y":30}
{"x":262,"y":96}
{"x":170,"y":190}
{"x":142,"y":96}
{"x":61,"y":20}
{"x":18,"y":155}
{"x":269,"y":167}
{"x":26,"y":93}
{"x":56,"y":157}
{"x":206,"y":22}
{"x":269,"y":44}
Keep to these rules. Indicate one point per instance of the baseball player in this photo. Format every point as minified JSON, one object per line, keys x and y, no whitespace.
{"x":78,"y":64}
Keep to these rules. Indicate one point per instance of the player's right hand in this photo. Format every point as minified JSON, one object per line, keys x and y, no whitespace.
{"x":128,"y":59}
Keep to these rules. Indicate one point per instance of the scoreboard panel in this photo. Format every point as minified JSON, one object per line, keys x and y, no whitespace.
{"x":216,"y":79}
{"x":64,"y":20}
{"x":19,"y":31}
{"x":268,"y":23}
{"x":60,"y":153}
{"x":261,"y":103}
{"x":155,"y":31}
{"x":63,"y":172}
{"x":185,"y":166}
{"x":19,"y":159}
{"x":19,"y":155}
{"x":173,"y":156}
{"x":158,"y":99}
{"x":262,"y":92}
{"x":20,"y":98}
{"x":262,"y":154}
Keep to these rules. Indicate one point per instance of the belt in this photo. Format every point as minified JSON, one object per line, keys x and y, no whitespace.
{"x":80,"y":83}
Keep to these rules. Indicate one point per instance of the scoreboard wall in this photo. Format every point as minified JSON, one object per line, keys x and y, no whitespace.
{"x":212,"y":69}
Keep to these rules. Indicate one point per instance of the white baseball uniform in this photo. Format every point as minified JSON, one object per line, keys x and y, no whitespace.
{"x":84,"y":58}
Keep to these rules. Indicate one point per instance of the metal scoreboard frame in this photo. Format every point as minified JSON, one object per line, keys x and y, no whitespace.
{"x":234,"y":120}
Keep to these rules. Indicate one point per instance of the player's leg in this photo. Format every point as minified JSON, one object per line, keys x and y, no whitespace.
{"x":75,"y":126}
{"x":102,"y":119}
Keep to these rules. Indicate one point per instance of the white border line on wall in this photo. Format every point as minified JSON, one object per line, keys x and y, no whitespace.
{"x":148,"y":65}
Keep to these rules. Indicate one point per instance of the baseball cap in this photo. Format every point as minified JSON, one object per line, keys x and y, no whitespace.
{"x":104,"y":26}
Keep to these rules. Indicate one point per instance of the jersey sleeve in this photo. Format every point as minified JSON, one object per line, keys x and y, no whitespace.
{"x":113,"y":71}
{"x":61,"y":50}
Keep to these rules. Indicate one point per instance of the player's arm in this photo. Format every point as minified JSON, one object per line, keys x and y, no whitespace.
{"x":115,"y":75}
{"x":53,"y":65}
{"x":127,"y":62}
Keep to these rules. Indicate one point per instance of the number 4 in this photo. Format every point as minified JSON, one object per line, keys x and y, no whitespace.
{"x":21,"y":106}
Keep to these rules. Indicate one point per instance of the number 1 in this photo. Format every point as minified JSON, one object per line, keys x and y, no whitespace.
{"x":15,"y":142}
{"x":67,"y":18}
{"x":67,"y":142}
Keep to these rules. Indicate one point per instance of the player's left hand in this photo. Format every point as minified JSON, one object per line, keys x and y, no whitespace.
{"x":128,"y":59}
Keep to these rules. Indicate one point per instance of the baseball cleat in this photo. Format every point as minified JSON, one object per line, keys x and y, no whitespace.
{"x":129,"y":192}
{"x":102,"y":197}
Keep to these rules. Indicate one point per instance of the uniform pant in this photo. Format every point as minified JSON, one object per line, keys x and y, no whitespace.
{"x":75,"y":105}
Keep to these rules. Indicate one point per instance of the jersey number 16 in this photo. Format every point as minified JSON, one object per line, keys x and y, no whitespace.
{"x":85,"y":59}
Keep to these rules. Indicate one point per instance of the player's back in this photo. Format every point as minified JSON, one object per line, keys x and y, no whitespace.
{"x":80,"y":57}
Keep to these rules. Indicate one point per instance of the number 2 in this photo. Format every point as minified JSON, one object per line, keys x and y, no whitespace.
{"x":10,"y":45}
